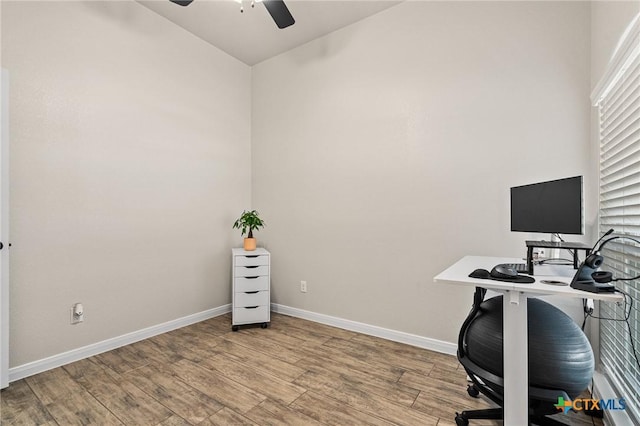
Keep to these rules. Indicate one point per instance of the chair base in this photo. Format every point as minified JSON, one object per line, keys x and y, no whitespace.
{"x":462,"y":419}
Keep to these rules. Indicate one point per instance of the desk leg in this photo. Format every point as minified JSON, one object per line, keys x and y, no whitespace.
{"x":515,"y":356}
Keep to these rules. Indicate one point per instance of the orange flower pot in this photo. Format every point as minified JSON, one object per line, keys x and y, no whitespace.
{"x":249,"y":244}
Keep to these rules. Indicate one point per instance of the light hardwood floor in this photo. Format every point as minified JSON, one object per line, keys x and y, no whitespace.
{"x":296,"y":372}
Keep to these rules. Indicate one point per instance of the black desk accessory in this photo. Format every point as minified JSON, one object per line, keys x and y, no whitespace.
{"x":588,"y":278}
{"x":576,"y":247}
{"x":583,"y":279}
{"x":497,"y":276}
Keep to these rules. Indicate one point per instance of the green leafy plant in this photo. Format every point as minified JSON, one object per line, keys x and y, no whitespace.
{"x":248,"y":221}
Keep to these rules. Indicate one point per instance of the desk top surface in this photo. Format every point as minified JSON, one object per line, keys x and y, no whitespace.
{"x":458,"y":273}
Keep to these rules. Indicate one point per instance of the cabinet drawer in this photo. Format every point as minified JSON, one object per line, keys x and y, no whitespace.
{"x":250,"y":315}
{"x":258,"y":298}
{"x":251,"y":271}
{"x":243,"y":284}
{"x":252,"y":260}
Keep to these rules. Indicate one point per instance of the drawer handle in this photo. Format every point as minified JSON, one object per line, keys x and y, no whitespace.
{"x":250,"y":307}
{"x":252,"y":267}
{"x":251,"y":292}
{"x":251,"y":278}
{"x":251,"y":256}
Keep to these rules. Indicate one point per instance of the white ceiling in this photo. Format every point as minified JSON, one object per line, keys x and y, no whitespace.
{"x":252,"y":36}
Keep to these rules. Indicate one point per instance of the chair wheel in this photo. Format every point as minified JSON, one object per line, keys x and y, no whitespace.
{"x":234,"y":328}
{"x":263,"y":325}
{"x":473,"y":391}
{"x":461,"y":421}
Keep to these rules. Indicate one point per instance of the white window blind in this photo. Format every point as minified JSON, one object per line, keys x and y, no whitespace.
{"x":618,"y":101}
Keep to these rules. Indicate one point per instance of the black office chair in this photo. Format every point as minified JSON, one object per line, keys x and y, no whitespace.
{"x":561,"y":361}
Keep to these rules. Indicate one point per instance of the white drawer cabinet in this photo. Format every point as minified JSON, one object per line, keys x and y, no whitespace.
{"x":251,"y":287}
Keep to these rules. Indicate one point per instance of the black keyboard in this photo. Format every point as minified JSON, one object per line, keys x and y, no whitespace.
{"x":521,"y":268}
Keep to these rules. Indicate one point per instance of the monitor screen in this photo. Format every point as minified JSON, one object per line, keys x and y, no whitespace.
{"x":548,"y":207}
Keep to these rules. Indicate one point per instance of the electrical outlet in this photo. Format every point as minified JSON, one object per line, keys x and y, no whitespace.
{"x":74,"y":318}
{"x":77,"y":313}
{"x":303,"y":286}
{"x":589,"y":306}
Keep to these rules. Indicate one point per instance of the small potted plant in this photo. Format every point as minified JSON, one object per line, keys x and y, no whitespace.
{"x":249,"y":221}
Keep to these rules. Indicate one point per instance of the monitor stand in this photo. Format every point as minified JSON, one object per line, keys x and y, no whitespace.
{"x":555,"y":245}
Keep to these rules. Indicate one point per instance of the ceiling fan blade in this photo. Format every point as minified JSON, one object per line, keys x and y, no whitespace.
{"x":182,"y":2}
{"x":279,"y":12}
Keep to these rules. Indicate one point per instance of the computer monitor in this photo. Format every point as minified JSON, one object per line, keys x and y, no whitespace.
{"x":548,"y":207}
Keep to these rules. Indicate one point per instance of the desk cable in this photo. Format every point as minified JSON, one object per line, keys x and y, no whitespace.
{"x":555,"y":261}
{"x":588,"y":312}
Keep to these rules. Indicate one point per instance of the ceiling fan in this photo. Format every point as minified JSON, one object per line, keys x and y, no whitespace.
{"x":276,"y":8}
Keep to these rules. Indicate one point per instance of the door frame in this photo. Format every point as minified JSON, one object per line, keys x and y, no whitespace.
{"x":4,"y":230}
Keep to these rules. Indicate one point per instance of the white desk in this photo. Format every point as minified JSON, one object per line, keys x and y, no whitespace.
{"x":515,"y":337}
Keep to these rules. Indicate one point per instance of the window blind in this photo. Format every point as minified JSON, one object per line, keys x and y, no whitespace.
{"x":619,"y":123}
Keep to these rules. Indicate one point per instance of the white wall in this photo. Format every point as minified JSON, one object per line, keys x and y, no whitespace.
{"x":381,"y":154}
{"x":385,"y":151}
{"x":130,"y":150}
